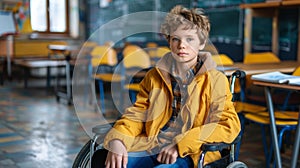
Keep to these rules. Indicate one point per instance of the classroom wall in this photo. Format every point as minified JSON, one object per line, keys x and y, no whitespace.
{"x":227,"y":43}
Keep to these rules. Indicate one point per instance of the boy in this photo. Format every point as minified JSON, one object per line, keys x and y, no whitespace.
{"x":183,"y":102}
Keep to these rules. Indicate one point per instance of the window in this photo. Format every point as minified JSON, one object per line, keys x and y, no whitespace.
{"x":49,"y":16}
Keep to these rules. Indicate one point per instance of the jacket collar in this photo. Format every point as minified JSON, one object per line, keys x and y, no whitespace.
{"x":163,"y":66}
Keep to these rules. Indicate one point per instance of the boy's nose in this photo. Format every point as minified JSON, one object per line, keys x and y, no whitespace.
{"x":181,"y":44}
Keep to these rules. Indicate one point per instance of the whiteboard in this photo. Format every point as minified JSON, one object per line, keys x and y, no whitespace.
{"x":7,"y":24}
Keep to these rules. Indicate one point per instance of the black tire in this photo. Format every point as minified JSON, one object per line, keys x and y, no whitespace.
{"x":237,"y":164}
{"x":82,"y":159}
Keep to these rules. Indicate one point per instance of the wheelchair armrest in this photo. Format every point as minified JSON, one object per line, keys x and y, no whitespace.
{"x":102,"y":129}
{"x":218,"y":146}
{"x":214,"y":146}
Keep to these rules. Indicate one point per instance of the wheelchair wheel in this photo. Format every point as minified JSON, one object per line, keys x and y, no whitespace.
{"x":237,"y":164}
{"x":82,"y":159}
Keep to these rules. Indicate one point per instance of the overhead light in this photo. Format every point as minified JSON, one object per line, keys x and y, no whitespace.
{"x":104,"y":3}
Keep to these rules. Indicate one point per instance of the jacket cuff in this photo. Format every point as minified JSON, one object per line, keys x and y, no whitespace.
{"x":115,"y":134}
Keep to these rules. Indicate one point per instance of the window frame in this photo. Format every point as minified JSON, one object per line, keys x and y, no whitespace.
{"x":47,"y":31}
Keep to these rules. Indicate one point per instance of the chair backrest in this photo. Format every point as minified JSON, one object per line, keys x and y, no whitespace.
{"x":87,"y":47}
{"x":161,"y":51}
{"x":297,"y":71}
{"x":256,"y":58}
{"x":129,"y":49}
{"x":103,"y":55}
{"x":222,"y":59}
{"x":138,"y":58}
{"x":90,"y":44}
{"x":151,"y":45}
{"x":263,"y":57}
{"x":157,"y":52}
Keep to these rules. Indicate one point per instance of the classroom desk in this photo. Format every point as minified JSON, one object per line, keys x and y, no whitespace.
{"x":66,"y":52}
{"x":285,"y":67}
{"x":250,"y":69}
{"x":27,"y":65}
{"x":267,"y":86}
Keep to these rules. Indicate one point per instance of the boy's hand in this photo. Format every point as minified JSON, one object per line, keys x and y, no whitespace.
{"x":168,"y":155}
{"x":117,"y":156}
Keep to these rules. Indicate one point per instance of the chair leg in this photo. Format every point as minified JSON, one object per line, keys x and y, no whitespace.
{"x":101,"y":93}
{"x":264,"y":139}
{"x":286,"y":101}
{"x":280,"y":139}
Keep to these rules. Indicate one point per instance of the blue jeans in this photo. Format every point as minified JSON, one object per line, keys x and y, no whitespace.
{"x":143,"y":159}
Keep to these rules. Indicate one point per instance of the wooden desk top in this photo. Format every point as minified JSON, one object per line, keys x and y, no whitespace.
{"x":62,"y":47}
{"x":41,"y":63}
{"x":277,"y":85}
{"x":270,"y":4}
{"x":287,"y":3}
{"x":250,"y":69}
{"x":260,"y":5}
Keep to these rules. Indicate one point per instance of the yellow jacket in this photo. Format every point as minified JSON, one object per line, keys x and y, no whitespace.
{"x":208,"y":114}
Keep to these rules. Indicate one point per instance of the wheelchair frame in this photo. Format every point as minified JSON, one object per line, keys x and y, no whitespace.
{"x":84,"y":157}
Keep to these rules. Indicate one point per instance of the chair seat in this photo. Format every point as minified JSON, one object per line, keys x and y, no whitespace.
{"x":282,"y":115}
{"x":109,"y":77}
{"x":263,"y":118}
{"x":247,"y":107}
{"x":133,"y":87}
{"x":278,"y":98}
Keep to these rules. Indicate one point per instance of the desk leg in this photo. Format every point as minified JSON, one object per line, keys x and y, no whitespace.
{"x":48,"y":82}
{"x":9,"y":44}
{"x":68,"y":82}
{"x":26,"y":76}
{"x":296,"y":146}
{"x":273,"y":127}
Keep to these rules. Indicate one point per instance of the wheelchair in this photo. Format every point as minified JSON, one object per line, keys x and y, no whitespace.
{"x":229,"y":152}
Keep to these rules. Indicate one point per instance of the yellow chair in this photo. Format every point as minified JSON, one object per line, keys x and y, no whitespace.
{"x":157,"y":53}
{"x":222,"y":59}
{"x":240,"y":107}
{"x":137,"y":58}
{"x":225,"y":60}
{"x":86,"y":49}
{"x":254,"y":92}
{"x":161,"y":51}
{"x":151,"y":45}
{"x":284,"y":120}
{"x":135,"y":62}
{"x":244,"y":107}
{"x":129,"y":49}
{"x":104,"y":56}
{"x":297,"y":71}
{"x":260,"y":58}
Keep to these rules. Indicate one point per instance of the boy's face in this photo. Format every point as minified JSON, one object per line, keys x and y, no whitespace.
{"x":185,"y":44}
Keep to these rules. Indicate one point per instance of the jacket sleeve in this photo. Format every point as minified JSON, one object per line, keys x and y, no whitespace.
{"x":221,"y":125}
{"x":131,"y":124}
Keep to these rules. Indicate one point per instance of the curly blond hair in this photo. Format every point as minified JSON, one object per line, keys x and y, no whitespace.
{"x":191,"y":18}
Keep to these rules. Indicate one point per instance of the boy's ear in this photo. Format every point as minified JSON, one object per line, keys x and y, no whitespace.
{"x":202,"y":45}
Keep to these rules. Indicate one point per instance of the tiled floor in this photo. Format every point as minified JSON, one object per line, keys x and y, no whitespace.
{"x":36,"y":131}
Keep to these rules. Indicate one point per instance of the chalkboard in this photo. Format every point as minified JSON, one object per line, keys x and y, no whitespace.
{"x":7,"y":24}
{"x":226,"y":24}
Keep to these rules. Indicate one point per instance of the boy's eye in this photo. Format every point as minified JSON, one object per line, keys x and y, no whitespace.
{"x":189,"y":39}
{"x":174,"y":39}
